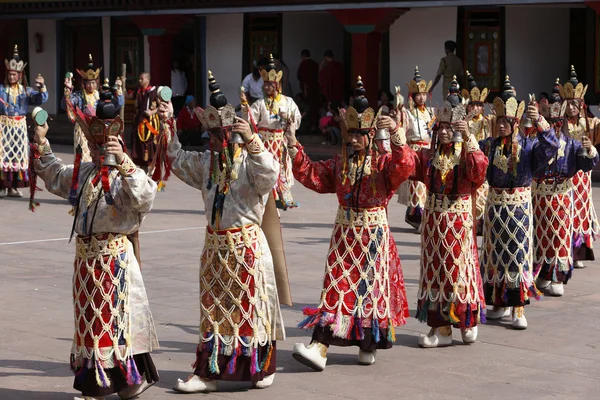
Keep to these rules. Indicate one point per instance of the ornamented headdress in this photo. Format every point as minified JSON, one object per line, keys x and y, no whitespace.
{"x":105,"y":123}
{"x":454,"y":93}
{"x":472,"y":94}
{"x":91,"y":73}
{"x":554,"y":108}
{"x":219,"y":115}
{"x":573,"y":89}
{"x":270,"y":74}
{"x":506,"y":105}
{"x":450,"y":114}
{"x":418,"y":85}
{"x":15,"y":63}
{"x":361,"y":117}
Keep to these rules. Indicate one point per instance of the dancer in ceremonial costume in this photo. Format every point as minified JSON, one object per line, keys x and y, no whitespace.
{"x":450,"y":292}
{"x":114,"y":329}
{"x":15,"y":98}
{"x":240,"y":317}
{"x":274,"y":115}
{"x":418,"y":134}
{"x":86,"y":100}
{"x":508,"y":231}
{"x":553,"y":201}
{"x":480,"y":127}
{"x":585,"y":220}
{"x":145,"y":123}
{"x":363,"y":297}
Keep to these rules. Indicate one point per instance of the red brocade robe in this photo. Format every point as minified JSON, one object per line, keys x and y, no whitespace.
{"x":450,"y":288}
{"x":363,"y":272}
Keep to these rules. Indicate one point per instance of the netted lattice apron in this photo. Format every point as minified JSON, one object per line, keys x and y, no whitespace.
{"x":274,"y":141}
{"x":14,"y":152}
{"x":449,"y":284}
{"x":553,"y":225}
{"x":363,"y":286}
{"x":508,"y":277}
{"x":585,"y":221}
{"x":238,"y":308}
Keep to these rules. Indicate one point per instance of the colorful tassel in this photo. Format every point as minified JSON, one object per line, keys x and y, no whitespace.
{"x":453,"y":318}
{"x":254,"y":362}
{"x":101,"y":379}
{"x":133,"y":375}
{"x":391,"y":332}
{"x":468,"y":317}
{"x":376,"y":331}
{"x":214,"y":357}
{"x":233,"y":361}
{"x":267,"y":363}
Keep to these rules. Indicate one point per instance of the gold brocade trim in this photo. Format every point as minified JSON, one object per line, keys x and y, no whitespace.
{"x":44,"y":149}
{"x":95,"y":246}
{"x":498,"y":196}
{"x":255,"y":145}
{"x":502,"y":162}
{"x":354,"y":165}
{"x":127,"y":167}
{"x":375,"y":216}
{"x":472,"y":144}
{"x":230,"y":239}
{"x":445,"y":163}
{"x":549,"y":188}
{"x":398,"y":138}
{"x":443,"y":203}
{"x":13,"y":122}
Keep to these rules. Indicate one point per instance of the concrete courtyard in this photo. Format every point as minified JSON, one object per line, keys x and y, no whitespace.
{"x":557,"y":357}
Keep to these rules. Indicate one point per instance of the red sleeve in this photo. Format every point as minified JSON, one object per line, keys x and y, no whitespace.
{"x":318,"y":176}
{"x":477,"y":163}
{"x":401,"y":166}
{"x":421,"y":160}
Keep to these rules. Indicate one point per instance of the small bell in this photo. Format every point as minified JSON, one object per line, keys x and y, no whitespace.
{"x":382,"y":134}
{"x":527,"y":123}
{"x":109,"y":160}
{"x":456,"y":137}
{"x":236,"y":138}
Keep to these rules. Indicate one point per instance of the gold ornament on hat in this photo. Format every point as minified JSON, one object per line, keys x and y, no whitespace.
{"x":355,"y":121}
{"x":474,"y":95}
{"x":272,"y":75}
{"x":509,"y":109}
{"x":15,"y":63}
{"x":450,"y":114}
{"x":573,"y":89}
{"x":218,"y":118}
{"x":418,"y":85}
{"x":553,"y":110}
{"x":90,"y":74}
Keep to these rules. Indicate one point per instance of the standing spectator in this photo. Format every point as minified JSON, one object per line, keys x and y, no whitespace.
{"x":385,"y":99}
{"x":331,"y":78}
{"x":308,"y":76}
{"x":145,"y":123}
{"x":253,"y":85}
{"x":179,"y":85}
{"x":450,"y":66}
{"x":280,"y":65}
{"x":189,"y":123}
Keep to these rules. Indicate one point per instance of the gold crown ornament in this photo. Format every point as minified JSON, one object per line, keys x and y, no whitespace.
{"x":15,"y":63}
{"x":553,"y":108}
{"x":270,"y":74}
{"x":418,"y":85}
{"x":96,"y":130}
{"x":473,"y":94}
{"x":218,"y":117}
{"x":90,"y":74}
{"x":573,"y":89}
{"x":449,"y":114}
{"x":510,"y":108}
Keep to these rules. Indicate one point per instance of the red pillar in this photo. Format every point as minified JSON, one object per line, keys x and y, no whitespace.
{"x":367,"y":28}
{"x":161,"y":47}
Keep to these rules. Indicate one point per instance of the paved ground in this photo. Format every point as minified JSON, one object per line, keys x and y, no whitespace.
{"x":557,"y":357}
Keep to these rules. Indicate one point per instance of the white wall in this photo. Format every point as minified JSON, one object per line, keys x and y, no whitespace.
{"x":536,"y":53}
{"x":417,"y":38}
{"x":46,"y":62}
{"x":224,"y":48}
{"x":317,"y":32}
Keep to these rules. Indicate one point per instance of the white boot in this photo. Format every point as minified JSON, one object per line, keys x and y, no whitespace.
{"x":3,"y":194}
{"x":469,"y":335}
{"x":518,"y":318}
{"x":88,"y":398}
{"x":135,"y":390}
{"x":437,"y":337}
{"x":555,"y":289}
{"x":578,"y":265}
{"x":542,"y":284}
{"x":14,"y":193}
{"x":367,"y":357}
{"x":195,"y":384}
{"x":314,"y":356}
{"x":497,"y":313}
{"x":265,"y":382}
